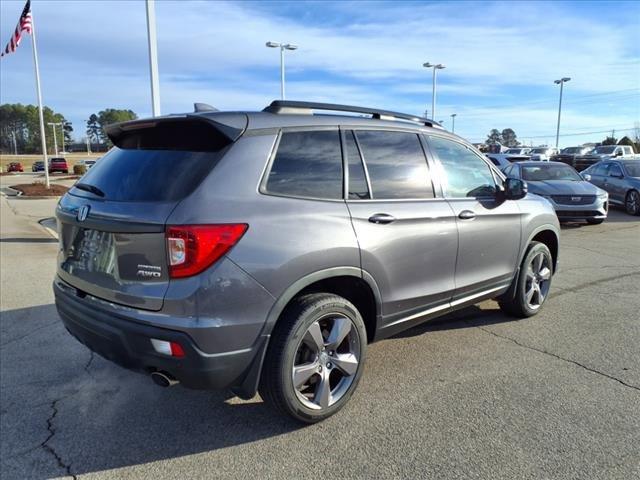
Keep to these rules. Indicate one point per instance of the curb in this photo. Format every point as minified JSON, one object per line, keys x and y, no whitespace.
{"x":45,"y":222}
{"x":18,"y":195}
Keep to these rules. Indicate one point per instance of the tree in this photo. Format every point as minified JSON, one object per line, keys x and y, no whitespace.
{"x":97,"y":123}
{"x":23,"y":122}
{"x":627,"y":141}
{"x":509,"y":138}
{"x":67,"y":128}
{"x":610,"y":141}
{"x":94,"y":131}
{"x":493,"y":137}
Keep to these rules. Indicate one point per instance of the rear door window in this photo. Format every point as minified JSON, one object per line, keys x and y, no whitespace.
{"x":464,"y":174}
{"x":396,"y":165}
{"x":128,"y":175}
{"x":307,"y":164}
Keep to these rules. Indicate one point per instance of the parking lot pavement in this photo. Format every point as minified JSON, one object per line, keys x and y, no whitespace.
{"x":473,"y":395}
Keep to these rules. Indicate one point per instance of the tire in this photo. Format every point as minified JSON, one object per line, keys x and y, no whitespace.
{"x":595,"y":221}
{"x":632,"y":202}
{"x":521,"y":305}
{"x":295,"y":345}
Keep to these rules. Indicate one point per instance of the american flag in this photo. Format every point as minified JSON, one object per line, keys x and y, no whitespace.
{"x":24,"y":25}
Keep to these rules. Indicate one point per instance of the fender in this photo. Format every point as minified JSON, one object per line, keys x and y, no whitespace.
{"x":248,"y":385}
{"x":536,"y":231}
{"x":311,"y":278}
{"x":509,"y":294}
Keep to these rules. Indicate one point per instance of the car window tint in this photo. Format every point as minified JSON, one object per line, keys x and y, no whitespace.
{"x":126,"y":175}
{"x":615,"y":170}
{"x":307,"y":164}
{"x":464,"y":174}
{"x":396,"y":164}
{"x":510,"y":171}
{"x":358,"y":188}
{"x":600,"y":169}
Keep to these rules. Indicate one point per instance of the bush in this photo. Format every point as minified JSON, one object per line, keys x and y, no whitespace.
{"x":79,"y":169}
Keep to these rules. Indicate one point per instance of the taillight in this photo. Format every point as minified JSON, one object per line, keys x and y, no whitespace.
{"x":193,"y":248}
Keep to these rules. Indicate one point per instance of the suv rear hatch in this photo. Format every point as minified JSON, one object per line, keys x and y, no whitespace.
{"x":112,"y":222}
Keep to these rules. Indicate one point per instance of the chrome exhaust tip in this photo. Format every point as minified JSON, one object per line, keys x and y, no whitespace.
{"x":163,"y":379}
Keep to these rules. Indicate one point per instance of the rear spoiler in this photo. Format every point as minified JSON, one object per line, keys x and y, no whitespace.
{"x":177,"y":132}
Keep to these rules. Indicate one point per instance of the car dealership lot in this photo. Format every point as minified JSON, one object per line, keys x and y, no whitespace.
{"x":472,"y":395}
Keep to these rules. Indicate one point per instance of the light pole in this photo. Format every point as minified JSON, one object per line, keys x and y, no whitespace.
{"x":55,"y":139}
{"x":453,"y":122}
{"x":435,"y":67}
{"x":561,"y":83}
{"x":282,"y":47}
{"x":15,"y":144}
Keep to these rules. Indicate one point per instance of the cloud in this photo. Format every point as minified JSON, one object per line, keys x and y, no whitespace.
{"x":498,"y":55}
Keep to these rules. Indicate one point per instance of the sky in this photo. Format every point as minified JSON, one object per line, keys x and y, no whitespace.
{"x":501,"y":60}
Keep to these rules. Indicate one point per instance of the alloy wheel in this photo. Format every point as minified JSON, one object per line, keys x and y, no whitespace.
{"x":326,"y":361}
{"x":538,"y":281}
{"x":633,"y":202}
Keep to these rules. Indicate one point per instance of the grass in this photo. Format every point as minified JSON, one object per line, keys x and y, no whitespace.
{"x":27,"y":160}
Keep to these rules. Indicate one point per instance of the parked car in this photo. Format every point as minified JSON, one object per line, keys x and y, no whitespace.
{"x":542,"y":154}
{"x":88,"y":163}
{"x":572,"y":197}
{"x":503,"y":160}
{"x":15,"y":167}
{"x":37,"y":166}
{"x":518,"y":151}
{"x":58,"y":164}
{"x":264,"y":265}
{"x":621,"y":178}
{"x":568,"y":155}
{"x":604,"y":152}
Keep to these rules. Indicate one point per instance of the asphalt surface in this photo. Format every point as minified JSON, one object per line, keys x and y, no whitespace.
{"x":472,"y":395}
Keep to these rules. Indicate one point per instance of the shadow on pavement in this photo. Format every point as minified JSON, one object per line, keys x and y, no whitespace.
{"x":28,"y":240}
{"x":105,"y":417}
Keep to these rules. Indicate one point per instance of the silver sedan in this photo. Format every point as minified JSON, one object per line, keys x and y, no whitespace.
{"x":571,"y":195}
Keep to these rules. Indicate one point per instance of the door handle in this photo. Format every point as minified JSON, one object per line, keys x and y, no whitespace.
{"x":466,"y":215}
{"x":381,"y":218}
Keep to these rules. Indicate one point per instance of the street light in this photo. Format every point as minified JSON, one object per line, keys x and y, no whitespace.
{"x":282,"y":47}
{"x":438,"y":66}
{"x":55,"y":140}
{"x":453,"y":122}
{"x":561,"y":83}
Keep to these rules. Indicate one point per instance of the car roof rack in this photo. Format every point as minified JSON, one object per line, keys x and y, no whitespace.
{"x":297,"y":107}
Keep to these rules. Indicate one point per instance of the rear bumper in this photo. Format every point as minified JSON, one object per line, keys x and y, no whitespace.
{"x":126,"y":342}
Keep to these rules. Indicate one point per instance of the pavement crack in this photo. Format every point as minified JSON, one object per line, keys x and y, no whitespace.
{"x":582,"y":286}
{"x":88,"y":364}
{"x":567,"y":360}
{"x":52,"y":431}
{"x":35,"y":330}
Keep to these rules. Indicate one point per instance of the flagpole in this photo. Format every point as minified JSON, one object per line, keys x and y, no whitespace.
{"x":153,"y":57}
{"x":41,"y":115}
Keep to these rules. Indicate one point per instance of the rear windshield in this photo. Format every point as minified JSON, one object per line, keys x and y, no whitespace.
{"x":125,"y":175}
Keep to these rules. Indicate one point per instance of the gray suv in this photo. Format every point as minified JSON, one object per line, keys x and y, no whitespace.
{"x":264,"y":251}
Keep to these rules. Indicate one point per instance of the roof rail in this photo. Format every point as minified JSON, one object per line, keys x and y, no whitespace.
{"x":290,"y":106}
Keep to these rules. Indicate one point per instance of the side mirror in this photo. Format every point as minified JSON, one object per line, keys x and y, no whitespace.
{"x":515,"y":189}
{"x":586,"y":177}
{"x":618,"y":153}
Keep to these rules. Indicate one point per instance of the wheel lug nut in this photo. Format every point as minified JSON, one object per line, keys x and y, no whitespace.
{"x":319,"y":368}
{"x":329,"y":365}
{"x":331,"y":352}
